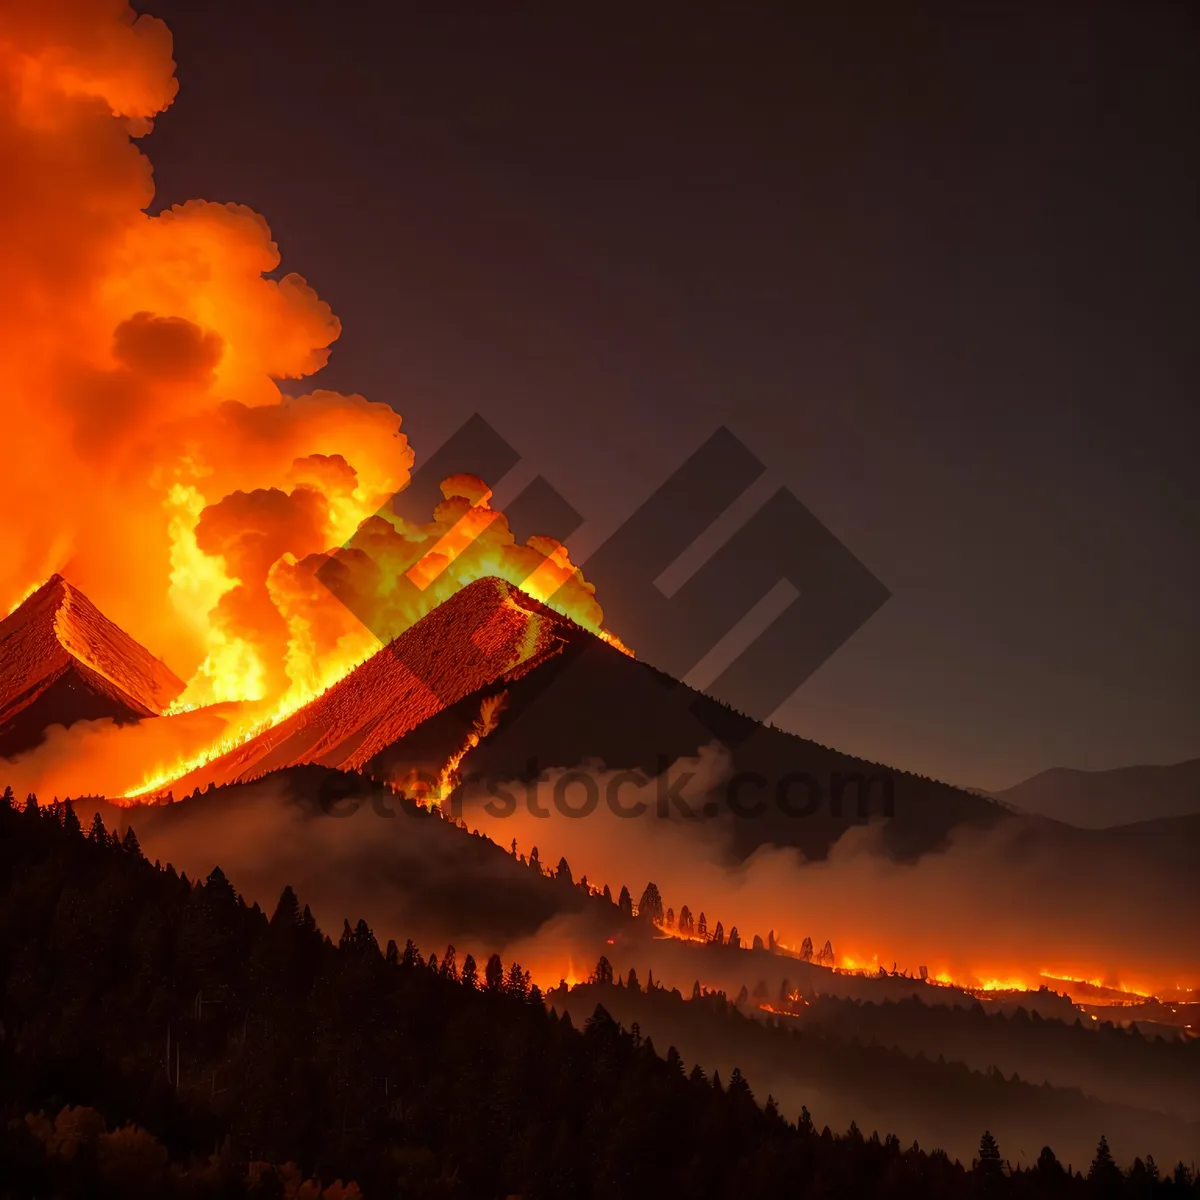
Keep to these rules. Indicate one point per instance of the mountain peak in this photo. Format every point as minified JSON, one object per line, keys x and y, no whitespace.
{"x":62,"y":660}
{"x":488,"y":632}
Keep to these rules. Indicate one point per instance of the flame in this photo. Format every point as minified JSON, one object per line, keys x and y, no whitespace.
{"x":1073,"y":985}
{"x":144,"y":358}
{"x":672,"y":931}
{"x":448,"y":777}
{"x":33,"y":587}
{"x":211,"y":495}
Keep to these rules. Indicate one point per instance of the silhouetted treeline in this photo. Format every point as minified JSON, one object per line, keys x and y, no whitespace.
{"x":845,"y":1078}
{"x":152,"y":1000}
{"x":1104,"y":1060}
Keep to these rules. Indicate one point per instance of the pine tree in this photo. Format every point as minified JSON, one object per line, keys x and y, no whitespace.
{"x":603,"y":972}
{"x":287,"y":911}
{"x":650,"y":906}
{"x":1104,"y":1174}
{"x":989,"y":1163}
{"x":806,"y":950}
{"x":675,"y":1063}
{"x":470,"y":973}
{"x":563,"y":873}
{"x":718,"y":936}
{"x":738,"y":1085}
{"x":98,"y":834}
{"x":493,"y":974}
{"x":71,"y":820}
{"x":130,"y":843}
{"x":218,"y":889}
{"x":625,"y":902}
{"x":517,"y":983}
{"x":364,"y":938}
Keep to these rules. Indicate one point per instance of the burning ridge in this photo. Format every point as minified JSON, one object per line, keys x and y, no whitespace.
{"x":62,"y":661}
{"x":487,"y":632}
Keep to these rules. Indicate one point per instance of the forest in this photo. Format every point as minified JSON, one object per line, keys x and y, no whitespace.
{"x":160,"y":1037}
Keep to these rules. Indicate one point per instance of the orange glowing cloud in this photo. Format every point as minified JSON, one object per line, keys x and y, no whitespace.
{"x":150,"y":453}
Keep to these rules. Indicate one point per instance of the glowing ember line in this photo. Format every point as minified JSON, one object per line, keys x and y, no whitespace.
{"x":489,"y":715}
{"x":164,"y":776}
{"x":33,"y":587}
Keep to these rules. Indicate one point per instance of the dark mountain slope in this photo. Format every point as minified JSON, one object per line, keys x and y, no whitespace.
{"x":486,"y":632}
{"x":353,"y":848}
{"x":573,"y":699}
{"x":592,"y":704}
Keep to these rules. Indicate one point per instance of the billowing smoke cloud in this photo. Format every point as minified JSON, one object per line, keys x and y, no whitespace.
{"x":150,"y":455}
{"x":1022,"y":899}
{"x":142,"y":415}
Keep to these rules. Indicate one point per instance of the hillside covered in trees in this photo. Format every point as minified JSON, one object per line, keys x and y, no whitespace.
{"x":160,"y":1037}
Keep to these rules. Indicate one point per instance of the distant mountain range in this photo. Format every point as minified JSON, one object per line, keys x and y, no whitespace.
{"x":1099,"y":799}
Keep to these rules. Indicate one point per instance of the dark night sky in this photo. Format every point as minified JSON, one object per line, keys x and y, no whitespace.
{"x":940,"y":274}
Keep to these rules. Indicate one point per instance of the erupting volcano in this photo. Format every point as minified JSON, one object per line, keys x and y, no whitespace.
{"x":487,"y":633}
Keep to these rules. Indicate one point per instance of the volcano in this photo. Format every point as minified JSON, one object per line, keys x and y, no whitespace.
{"x":62,"y":661}
{"x":573,"y":700}
{"x":486,"y":634}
